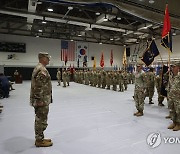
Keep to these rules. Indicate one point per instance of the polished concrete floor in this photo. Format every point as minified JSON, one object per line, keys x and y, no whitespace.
{"x":86,"y":120}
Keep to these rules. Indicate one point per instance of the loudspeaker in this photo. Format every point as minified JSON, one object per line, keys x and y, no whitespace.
{"x":128,"y":52}
{"x":92,"y":58}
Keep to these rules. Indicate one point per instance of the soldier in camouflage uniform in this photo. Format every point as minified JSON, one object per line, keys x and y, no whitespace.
{"x":40,"y":98}
{"x":68,"y":75}
{"x":121,"y":88}
{"x":174,"y":98}
{"x":58,"y":76}
{"x":64,"y":77}
{"x":108,"y":80}
{"x":125,"y":82}
{"x":139,"y":91}
{"x":158,"y":87}
{"x":150,"y":80}
{"x":103,"y":79}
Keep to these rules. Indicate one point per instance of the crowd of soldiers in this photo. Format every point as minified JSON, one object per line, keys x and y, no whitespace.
{"x":144,"y":87}
{"x":65,"y":77}
{"x":145,"y":83}
{"x":104,"y":79}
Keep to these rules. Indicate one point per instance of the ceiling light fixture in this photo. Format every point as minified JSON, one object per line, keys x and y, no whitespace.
{"x":70,"y":8}
{"x":97,"y":13}
{"x":50,"y":9}
{"x":118,"y":18}
{"x":151,"y":1}
{"x":105,"y":18}
{"x":100,"y":42}
{"x":79,"y":35}
{"x":40,"y":30}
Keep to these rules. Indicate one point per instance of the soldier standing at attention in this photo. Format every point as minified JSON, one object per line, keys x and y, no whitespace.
{"x":174,"y":98}
{"x":158,"y":87}
{"x":58,"y":76}
{"x":64,"y":78}
{"x":139,"y":91}
{"x":150,"y":84}
{"x":40,"y":98}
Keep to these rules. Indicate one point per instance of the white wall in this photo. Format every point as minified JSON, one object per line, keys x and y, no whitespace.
{"x":53,"y":47}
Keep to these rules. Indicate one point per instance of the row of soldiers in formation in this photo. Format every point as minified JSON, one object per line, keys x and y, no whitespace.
{"x":104,"y":79}
{"x":99,"y":78}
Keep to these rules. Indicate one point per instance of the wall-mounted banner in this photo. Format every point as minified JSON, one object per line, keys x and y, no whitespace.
{"x":82,"y":51}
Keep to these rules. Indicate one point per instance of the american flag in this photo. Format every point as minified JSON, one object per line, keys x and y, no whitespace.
{"x":67,"y":50}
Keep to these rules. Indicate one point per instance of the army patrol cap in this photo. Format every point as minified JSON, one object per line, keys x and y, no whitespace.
{"x":177,"y":63}
{"x":44,"y":54}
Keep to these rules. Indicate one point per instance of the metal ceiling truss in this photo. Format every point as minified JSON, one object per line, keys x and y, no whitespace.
{"x":72,"y":18}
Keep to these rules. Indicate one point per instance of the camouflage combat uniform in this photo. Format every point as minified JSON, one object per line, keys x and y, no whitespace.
{"x":58,"y":76}
{"x":174,"y":98}
{"x":41,"y":91}
{"x":139,"y":93}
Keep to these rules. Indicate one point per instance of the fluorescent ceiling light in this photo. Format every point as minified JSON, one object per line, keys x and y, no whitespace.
{"x":105,"y":19}
{"x":151,"y":1}
{"x":40,"y":30}
{"x":44,"y":22}
{"x":118,"y":18}
{"x":50,"y":9}
{"x":97,"y":13}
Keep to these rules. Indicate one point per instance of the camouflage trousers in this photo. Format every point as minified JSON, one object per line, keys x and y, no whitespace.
{"x":121,"y":88}
{"x":41,"y":115}
{"x":59,"y":81}
{"x":160,"y":97}
{"x":175,"y":110}
{"x":139,"y":96}
{"x":150,"y":92}
{"x":125,"y":85}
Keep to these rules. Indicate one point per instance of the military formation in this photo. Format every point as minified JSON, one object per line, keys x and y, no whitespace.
{"x":63,"y":77}
{"x":118,"y":80}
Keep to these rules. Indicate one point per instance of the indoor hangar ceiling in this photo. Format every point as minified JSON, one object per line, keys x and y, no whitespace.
{"x":119,"y":22}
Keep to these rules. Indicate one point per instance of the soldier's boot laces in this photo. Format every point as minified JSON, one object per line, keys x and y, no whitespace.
{"x":43,"y":143}
{"x":171,"y":126}
{"x":177,"y":127}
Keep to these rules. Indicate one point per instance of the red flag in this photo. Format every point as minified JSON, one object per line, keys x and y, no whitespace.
{"x":102,"y":60}
{"x":166,"y":40}
{"x":111,"y":59}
